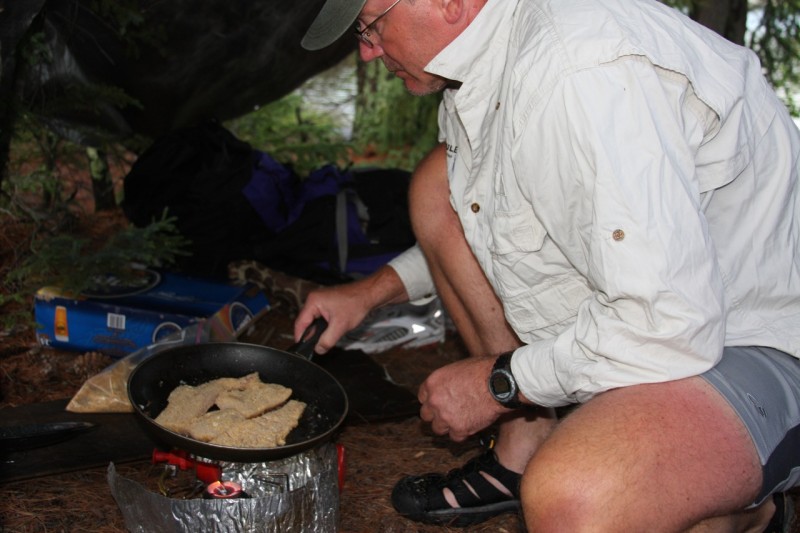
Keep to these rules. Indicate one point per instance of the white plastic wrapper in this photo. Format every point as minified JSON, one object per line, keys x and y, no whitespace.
{"x":410,"y":325}
{"x":296,"y":494}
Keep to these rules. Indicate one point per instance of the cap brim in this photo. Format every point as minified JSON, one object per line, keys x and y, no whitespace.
{"x":333,"y":20}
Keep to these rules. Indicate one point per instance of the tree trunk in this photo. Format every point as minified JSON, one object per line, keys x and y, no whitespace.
{"x":102,"y":184}
{"x":6,"y":124}
{"x":726,"y":17}
{"x":18,"y":21}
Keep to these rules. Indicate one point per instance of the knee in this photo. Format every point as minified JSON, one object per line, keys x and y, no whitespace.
{"x":557,"y":498}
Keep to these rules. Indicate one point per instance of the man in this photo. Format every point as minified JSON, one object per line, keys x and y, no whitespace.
{"x":612,"y":221}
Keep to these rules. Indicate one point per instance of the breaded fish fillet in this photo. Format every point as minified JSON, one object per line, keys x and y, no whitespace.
{"x":211,"y":424}
{"x":186,"y":402}
{"x":266,"y":431}
{"x":255,"y":399}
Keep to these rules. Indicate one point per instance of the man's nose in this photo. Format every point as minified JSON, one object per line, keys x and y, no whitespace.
{"x":369,"y":53}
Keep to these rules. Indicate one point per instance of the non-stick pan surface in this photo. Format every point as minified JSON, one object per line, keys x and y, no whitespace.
{"x":155,"y":378}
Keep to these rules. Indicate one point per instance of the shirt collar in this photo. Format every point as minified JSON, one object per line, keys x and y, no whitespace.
{"x":478,"y":46}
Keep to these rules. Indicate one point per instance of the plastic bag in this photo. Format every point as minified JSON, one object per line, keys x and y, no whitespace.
{"x":107,"y":391}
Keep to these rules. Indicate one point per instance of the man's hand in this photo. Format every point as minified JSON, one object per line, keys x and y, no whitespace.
{"x":456,"y":399}
{"x":342,"y":306}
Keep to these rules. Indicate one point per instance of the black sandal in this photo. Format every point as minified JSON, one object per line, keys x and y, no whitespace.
{"x":421,"y":498}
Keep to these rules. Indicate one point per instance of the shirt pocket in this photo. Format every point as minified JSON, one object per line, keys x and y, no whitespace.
{"x":516,"y":231}
{"x":540,"y":290}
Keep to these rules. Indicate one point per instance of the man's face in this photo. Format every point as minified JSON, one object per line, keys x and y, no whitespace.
{"x":404,"y":40}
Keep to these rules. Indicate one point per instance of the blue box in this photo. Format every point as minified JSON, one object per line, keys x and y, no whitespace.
{"x":120,"y":320}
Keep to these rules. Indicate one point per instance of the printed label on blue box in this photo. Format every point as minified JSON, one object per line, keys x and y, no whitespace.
{"x":122,"y":323}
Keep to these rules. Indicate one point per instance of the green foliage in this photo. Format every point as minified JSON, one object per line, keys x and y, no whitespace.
{"x":390,"y":120}
{"x":40,"y":194}
{"x":773,"y":33}
{"x":75,"y":264}
{"x":776,"y":40}
{"x":293,"y":133}
{"x":35,"y":187}
{"x":684,"y":6}
{"x":86,"y":96}
{"x":45,"y":140}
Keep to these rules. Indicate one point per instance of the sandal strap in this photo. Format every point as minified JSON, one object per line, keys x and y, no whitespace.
{"x":460,"y":480}
{"x":485,"y":493}
{"x":488,"y":463}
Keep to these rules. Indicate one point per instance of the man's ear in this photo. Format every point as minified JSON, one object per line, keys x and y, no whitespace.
{"x":453,"y":10}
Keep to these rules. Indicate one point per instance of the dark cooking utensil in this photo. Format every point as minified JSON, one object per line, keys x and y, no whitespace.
{"x":27,"y":436}
{"x":151,"y":382}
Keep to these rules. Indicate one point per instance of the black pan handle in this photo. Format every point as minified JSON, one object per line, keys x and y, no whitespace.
{"x":306,"y":345}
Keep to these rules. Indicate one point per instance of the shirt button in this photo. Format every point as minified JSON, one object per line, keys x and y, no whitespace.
{"x":475,"y":207}
{"x":497,"y":106}
{"x":618,"y":235}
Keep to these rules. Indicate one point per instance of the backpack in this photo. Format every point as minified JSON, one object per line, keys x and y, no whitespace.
{"x":236,"y":203}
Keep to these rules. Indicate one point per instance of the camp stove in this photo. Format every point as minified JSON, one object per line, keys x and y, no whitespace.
{"x":209,"y":472}
{"x":297,"y":493}
{"x":215,"y":485}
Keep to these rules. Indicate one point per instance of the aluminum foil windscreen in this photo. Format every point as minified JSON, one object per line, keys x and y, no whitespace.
{"x":296,"y":494}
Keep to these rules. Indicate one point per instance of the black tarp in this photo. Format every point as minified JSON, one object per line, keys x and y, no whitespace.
{"x":183,"y":61}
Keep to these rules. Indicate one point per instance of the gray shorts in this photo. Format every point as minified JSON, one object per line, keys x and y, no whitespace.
{"x":763,"y":386}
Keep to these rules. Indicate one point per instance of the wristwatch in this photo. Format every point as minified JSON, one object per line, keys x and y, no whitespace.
{"x":502,"y":384}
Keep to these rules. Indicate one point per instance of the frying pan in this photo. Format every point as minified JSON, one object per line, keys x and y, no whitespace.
{"x":152,"y":380}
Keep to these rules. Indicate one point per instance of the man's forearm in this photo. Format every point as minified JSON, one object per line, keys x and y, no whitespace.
{"x":383,"y":287}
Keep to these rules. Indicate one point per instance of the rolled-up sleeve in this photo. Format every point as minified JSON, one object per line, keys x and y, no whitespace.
{"x":413,"y":271}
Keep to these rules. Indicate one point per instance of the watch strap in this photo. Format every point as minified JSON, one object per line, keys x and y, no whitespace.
{"x":503,"y":364}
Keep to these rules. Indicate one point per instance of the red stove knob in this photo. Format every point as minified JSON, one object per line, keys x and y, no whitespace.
{"x":206,"y":472}
{"x":174,"y":457}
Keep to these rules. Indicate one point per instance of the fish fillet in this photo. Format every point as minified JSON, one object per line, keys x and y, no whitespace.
{"x":186,"y":402}
{"x":266,"y":431}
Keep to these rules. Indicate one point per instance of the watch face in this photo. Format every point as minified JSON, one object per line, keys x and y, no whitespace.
{"x":501,"y":386}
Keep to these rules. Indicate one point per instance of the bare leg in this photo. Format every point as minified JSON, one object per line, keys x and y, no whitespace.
{"x":748,"y":521}
{"x":659,"y":457}
{"x":469,"y":298}
{"x":460,"y":282}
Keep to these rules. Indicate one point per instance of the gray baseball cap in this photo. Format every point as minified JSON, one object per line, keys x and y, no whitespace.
{"x":333,"y":20}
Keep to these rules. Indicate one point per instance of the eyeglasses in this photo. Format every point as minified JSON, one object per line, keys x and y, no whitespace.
{"x":363,"y":35}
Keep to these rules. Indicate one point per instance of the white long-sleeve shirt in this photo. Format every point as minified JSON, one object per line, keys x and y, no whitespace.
{"x":628,"y":181}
